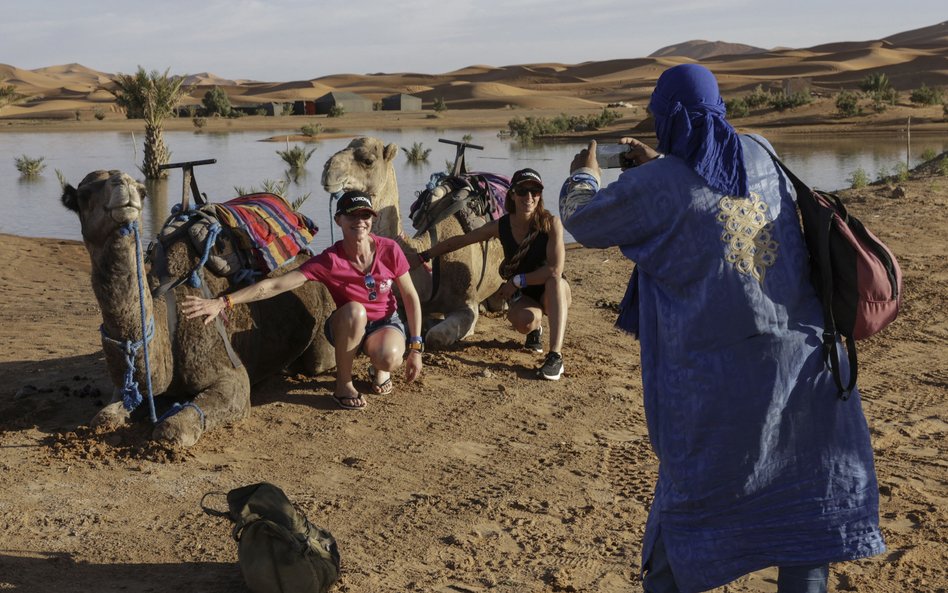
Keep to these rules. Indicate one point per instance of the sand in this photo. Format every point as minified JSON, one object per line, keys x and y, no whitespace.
{"x":479,"y":477}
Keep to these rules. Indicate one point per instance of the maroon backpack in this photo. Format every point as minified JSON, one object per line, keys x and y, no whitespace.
{"x":855,"y":275}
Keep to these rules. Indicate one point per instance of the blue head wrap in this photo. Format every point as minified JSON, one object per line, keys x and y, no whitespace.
{"x":690,"y":124}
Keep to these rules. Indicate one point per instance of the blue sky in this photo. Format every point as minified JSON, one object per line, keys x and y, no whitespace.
{"x":284,"y":40}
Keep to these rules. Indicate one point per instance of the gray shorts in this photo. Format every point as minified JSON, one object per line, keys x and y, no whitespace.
{"x":370,"y":328}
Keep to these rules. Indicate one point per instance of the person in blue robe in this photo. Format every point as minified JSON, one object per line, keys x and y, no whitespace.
{"x":760,"y":463}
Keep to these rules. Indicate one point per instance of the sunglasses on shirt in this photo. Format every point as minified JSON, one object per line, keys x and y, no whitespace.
{"x":370,"y":285}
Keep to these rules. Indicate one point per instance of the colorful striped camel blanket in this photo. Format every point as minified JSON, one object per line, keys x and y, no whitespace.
{"x":268,"y":227}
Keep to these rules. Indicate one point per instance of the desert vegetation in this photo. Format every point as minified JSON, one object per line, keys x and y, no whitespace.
{"x":30,"y":167}
{"x":529,"y":128}
{"x":296,"y":158}
{"x":417,"y":153}
{"x":152,"y":97}
{"x":216,"y":102}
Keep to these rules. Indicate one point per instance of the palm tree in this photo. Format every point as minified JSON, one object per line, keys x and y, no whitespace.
{"x":152,"y":97}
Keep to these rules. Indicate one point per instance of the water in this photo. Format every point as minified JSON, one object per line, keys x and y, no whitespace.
{"x":32,"y":208}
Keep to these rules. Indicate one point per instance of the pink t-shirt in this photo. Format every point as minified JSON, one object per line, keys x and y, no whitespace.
{"x":346,"y":284}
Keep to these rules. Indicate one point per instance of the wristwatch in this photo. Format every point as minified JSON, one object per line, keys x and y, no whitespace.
{"x":416,"y":343}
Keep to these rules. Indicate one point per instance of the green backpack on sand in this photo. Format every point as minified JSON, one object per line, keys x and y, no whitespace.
{"x":279,"y":550}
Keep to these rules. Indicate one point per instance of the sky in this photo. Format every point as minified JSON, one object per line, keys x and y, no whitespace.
{"x":289,"y":40}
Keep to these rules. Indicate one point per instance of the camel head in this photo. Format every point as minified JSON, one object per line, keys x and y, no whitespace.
{"x":367,"y":165}
{"x":105,"y":201}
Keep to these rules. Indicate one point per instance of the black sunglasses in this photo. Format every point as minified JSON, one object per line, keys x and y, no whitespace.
{"x":523,"y":191}
{"x":370,"y":285}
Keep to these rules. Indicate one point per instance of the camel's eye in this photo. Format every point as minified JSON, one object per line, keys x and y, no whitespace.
{"x":366,"y":158}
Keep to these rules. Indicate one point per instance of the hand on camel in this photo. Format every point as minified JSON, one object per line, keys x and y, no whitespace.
{"x":196,"y":306}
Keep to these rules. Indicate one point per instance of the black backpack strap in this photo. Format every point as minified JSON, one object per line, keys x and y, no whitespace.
{"x":211,"y":510}
{"x":821,"y":218}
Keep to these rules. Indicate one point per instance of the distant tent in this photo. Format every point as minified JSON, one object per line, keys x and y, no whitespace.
{"x":350,"y":102}
{"x":401,"y":102}
{"x":304,"y":108}
{"x":272,"y":109}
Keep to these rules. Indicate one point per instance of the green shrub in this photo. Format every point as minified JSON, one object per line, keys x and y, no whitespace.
{"x":312,"y":130}
{"x":736,"y":108}
{"x":901,"y":171}
{"x":882,"y":99}
{"x":439,"y":105}
{"x":417,"y":153}
{"x":758,"y":98}
{"x":216,"y":102}
{"x":199,"y":122}
{"x":875,"y":82}
{"x":529,"y":128}
{"x":927,"y":96}
{"x":336,"y":111}
{"x":847,"y":104}
{"x":883,"y":174}
{"x":467,"y":138}
{"x":943,"y":167}
{"x":928,"y":154}
{"x":296,"y":157}
{"x":98,"y":114}
{"x":30,"y":167}
{"x":858,"y":178}
{"x":782,"y":101}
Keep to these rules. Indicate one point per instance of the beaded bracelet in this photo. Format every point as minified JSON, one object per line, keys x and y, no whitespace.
{"x":228,"y":303}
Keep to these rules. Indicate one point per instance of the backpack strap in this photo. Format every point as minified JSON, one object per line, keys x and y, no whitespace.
{"x":817,"y":235}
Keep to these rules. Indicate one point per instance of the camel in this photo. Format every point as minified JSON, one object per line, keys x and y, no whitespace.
{"x":188,"y":360}
{"x":466,"y":278}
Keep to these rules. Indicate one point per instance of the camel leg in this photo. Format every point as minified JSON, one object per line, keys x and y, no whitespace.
{"x":495,"y":302}
{"x":112,"y":415}
{"x":225,"y":401}
{"x":456,"y":326}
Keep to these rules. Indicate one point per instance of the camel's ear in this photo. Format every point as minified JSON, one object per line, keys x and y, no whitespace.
{"x":391,"y":150}
{"x":70,"y":198}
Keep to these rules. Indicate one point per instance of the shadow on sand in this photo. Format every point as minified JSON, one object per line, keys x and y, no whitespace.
{"x":61,"y":573}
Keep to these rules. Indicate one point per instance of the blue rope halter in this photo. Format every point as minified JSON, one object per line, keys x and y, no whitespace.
{"x":131,"y":397}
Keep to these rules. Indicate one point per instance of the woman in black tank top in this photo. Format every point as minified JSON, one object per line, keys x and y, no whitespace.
{"x":534,"y":256}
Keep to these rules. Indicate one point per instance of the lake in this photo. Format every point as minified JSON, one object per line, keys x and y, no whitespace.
{"x":32,"y":208}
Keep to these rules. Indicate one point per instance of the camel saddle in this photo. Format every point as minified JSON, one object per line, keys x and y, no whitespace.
{"x":473,"y":198}
{"x":242,"y":239}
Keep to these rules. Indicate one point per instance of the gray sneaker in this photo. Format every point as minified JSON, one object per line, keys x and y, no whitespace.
{"x":552,"y":367}
{"x":534,"y":340}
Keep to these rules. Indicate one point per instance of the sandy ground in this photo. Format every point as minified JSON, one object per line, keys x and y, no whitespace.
{"x":480,"y":477}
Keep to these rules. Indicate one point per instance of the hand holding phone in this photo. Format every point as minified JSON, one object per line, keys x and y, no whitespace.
{"x":614,"y":156}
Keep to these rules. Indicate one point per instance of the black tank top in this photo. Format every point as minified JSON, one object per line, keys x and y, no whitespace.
{"x":536,"y":254}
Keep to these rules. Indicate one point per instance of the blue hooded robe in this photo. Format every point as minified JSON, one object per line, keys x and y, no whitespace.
{"x":760,"y":463}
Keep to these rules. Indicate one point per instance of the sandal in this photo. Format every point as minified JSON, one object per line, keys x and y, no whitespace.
{"x":385,"y":387}
{"x":345,"y":402}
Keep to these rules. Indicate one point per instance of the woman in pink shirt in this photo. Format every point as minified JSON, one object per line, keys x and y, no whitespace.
{"x":360,"y":272}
